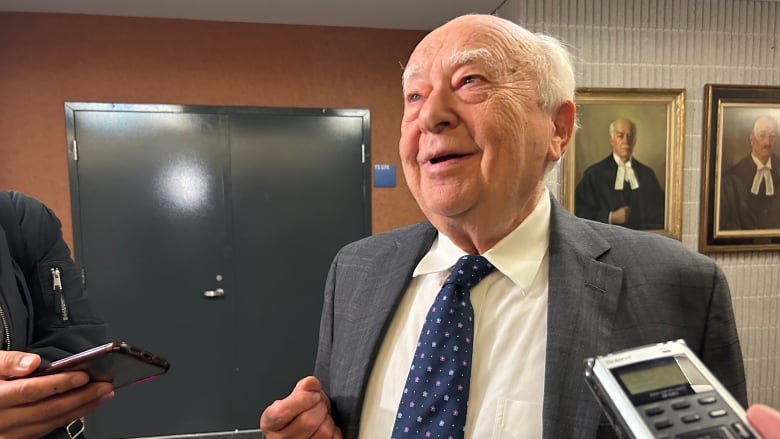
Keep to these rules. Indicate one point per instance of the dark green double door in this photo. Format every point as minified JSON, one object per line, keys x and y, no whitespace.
{"x":206,"y":234}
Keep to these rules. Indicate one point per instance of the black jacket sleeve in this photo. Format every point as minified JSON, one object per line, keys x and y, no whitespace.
{"x":62,"y":319}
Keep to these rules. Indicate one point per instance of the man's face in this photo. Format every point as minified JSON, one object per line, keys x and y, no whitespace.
{"x":474,"y":142}
{"x":763,"y":137}
{"x":623,"y":140}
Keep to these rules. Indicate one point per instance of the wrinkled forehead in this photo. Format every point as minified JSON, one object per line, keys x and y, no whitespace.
{"x":419,"y":66}
{"x":460,"y":43}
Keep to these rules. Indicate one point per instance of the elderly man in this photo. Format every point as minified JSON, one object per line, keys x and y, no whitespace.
{"x":488,"y":108}
{"x":619,"y":189}
{"x":750,"y":197}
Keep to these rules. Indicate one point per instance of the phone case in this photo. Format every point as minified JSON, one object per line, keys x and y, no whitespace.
{"x":119,"y":363}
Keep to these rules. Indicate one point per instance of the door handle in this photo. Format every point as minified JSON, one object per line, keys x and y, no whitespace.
{"x":211,"y":294}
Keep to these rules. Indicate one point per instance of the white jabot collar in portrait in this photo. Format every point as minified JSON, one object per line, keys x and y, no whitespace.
{"x":763,"y":172}
{"x":625,"y":172}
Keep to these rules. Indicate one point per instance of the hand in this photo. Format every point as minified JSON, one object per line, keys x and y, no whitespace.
{"x":303,"y":413}
{"x":620,"y":215}
{"x":32,"y":407}
{"x":765,"y":420}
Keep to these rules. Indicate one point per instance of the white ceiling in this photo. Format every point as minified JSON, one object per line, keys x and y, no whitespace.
{"x":389,"y":14}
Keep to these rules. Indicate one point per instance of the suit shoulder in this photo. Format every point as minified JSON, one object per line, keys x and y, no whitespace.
{"x":412,"y":235}
{"x":639,"y":246}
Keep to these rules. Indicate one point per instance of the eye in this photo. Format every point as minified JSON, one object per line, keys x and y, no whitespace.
{"x":413,"y":97}
{"x":470,"y":79}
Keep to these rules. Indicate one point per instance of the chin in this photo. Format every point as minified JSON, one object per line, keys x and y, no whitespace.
{"x":444,"y":208}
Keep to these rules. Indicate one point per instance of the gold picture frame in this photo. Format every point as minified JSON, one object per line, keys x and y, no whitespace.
{"x":733,"y":219}
{"x":658,"y":115}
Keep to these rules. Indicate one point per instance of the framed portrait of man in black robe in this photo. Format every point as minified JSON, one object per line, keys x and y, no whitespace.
{"x":624,"y":166}
{"x":740,"y":204}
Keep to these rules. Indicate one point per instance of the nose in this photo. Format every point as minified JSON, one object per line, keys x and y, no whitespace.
{"x":436,"y":113}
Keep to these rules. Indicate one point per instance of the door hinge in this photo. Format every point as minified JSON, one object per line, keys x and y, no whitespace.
{"x":84,"y":279}
{"x":362,"y":153}
{"x":75,"y":150}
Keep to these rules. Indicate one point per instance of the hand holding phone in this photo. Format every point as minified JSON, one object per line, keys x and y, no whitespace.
{"x":117,"y":362}
{"x":35,"y":406}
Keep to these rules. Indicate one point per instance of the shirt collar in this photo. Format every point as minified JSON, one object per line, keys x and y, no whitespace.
{"x":517,"y":256}
{"x":619,"y":161}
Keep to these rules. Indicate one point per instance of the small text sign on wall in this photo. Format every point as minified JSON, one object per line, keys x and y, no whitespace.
{"x":384,"y":175}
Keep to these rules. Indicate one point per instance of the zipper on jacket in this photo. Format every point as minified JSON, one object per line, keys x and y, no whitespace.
{"x":6,"y":345}
{"x":60,"y":306}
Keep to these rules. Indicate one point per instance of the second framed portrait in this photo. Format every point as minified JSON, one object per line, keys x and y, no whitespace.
{"x":740,"y":204}
{"x":625,"y":163}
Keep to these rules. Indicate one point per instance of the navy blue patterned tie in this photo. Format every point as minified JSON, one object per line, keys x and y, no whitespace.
{"x":436,"y":393}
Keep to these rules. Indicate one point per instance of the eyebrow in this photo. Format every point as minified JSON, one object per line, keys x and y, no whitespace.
{"x":459,"y":58}
{"x":410,"y":71}
{"x":470,"y":56}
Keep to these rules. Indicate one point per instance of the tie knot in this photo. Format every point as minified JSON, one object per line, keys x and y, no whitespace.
{"x":469,"y":270}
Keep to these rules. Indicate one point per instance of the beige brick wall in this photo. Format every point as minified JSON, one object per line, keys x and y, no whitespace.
{"x":685,"y":44}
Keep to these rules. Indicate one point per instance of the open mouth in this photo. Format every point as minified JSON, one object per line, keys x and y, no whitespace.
{"x":444,"y":158}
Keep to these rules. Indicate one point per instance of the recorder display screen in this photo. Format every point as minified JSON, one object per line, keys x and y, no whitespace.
{"x":653,"y":380}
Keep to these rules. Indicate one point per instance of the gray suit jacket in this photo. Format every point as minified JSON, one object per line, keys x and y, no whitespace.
{"x":610,"y":288}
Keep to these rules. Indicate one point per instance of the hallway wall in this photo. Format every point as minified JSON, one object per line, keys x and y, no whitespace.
{"x":48,"y":59}
{"x":685,"y":44}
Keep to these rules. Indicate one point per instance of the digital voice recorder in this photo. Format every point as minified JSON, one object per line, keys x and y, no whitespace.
{"x":664,"y":391}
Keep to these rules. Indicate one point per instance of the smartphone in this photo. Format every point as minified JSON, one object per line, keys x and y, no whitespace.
{"x":117,"y":362}
{"x":664,"y":391}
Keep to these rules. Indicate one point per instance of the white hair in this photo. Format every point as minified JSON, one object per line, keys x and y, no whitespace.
{"x":554,"y":72}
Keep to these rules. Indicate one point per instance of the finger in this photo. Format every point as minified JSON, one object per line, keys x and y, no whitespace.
{"x":36,"y":419}
{"x":312,"y":384}
{"x":279,"y":414}
{"x":327,"y":430}
{"x":29,"y":390}
{"x":15,"y":364}
{"x":308,"y":423}
{"x":309,"y":384}
{"x":765,"y":420}
{"x":282,"y":412}
{"x":325,"y":399}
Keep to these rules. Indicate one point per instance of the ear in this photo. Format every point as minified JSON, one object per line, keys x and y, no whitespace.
{"x":563,"y":119}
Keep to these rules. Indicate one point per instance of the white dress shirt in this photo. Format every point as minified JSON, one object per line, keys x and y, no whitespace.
{"x":510,"y":334}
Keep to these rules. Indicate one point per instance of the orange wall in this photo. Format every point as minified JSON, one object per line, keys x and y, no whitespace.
{"x":48,"y":59}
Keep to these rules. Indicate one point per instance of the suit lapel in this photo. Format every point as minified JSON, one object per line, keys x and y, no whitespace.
{"x":385,"y":290}
{"x":582,"y":298}
{"x":374,"y":303}
{"x":583,"y":294}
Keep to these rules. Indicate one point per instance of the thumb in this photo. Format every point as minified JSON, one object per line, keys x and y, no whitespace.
{"x":14,"y":363}
{"x":312,"y":384}
{"x":764,"y":419}
{"x":309,"y":384}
